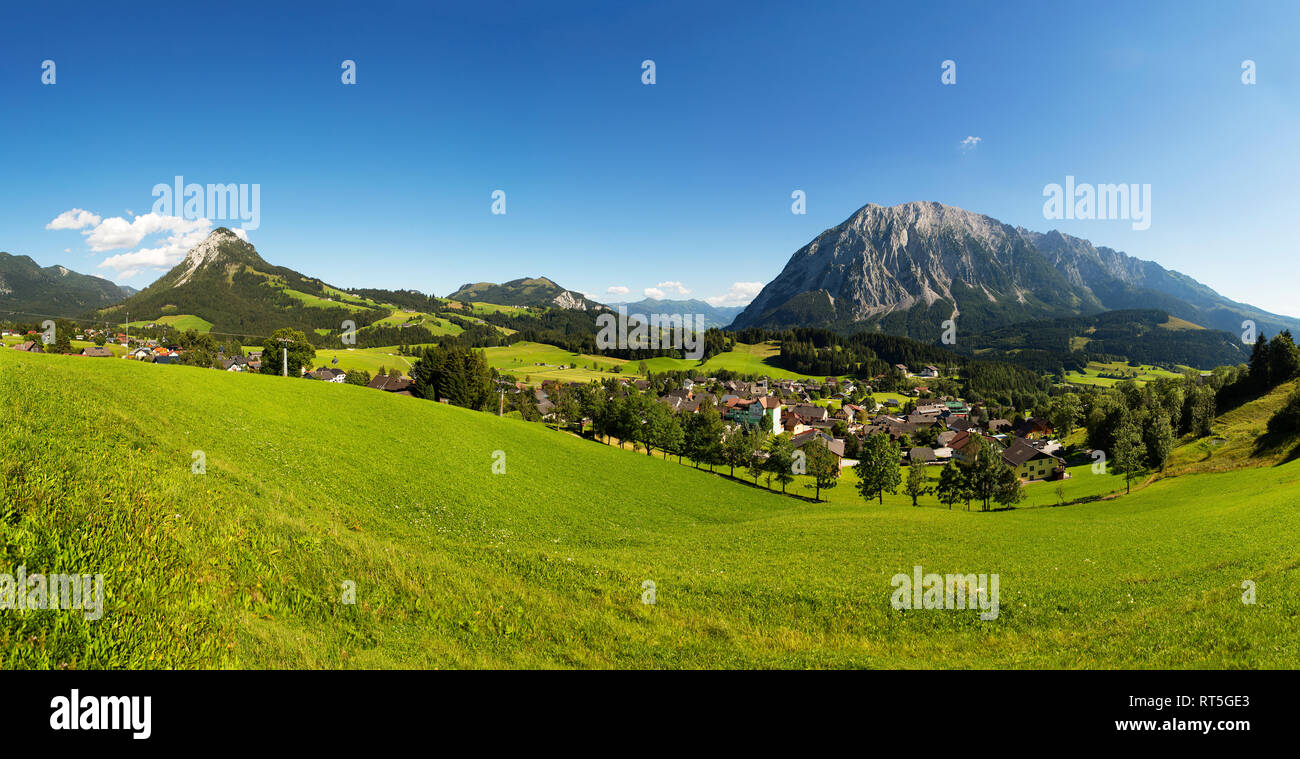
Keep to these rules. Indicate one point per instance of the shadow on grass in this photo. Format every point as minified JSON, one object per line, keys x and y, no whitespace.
{"x":1274,"y":443}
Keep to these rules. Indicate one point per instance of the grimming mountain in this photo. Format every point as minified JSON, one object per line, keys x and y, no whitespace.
{"x":224,"y":281}
{"x":714,"y":316}
{"x":28,"y":291}
{"x":905,"y":269}
{"x":527,"y":291}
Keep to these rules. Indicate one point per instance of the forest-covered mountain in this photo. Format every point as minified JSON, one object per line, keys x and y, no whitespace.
{"x":226,"y":282}
{"x":714,"y":316}
{"x":28,"y":290}
{"x":527,"y":291}
{"x":1147,"y":336}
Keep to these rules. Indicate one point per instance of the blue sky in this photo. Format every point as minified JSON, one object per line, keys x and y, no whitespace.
{"x":611,"y":183}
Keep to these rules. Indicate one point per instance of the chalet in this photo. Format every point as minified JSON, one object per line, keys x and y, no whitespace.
{"x":966,"y":444}
{"x":1031,"y":463}
{"x":921,"y":454}
{"x":959,"y":424}
{"x":29,"y":346}
{"x":97,"y":351}
{"x":693,"y":405}
{"x":1034,"y":427}
{"x":141,"y":354}
{"x":836,"y":446}
{"x":902,"y":368}
{"x":925,"y":420}
{"x":999,"y":425}
{"x":772,"y":411}
{"x":392,"y":383}
{"x":673,"y":402}
{"x":325,"y":375}
{"x":930,"y":371}
{"x":809,"y":412}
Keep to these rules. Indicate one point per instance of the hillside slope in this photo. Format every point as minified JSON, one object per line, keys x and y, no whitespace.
{"x":309,"y":486}
{"x":224,"y":281}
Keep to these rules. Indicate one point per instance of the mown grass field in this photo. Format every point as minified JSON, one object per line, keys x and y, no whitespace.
{"x":308,"y":487}
{"x":522,"y":358}
{"x":363,"y":359}
{"x":538,"y":361}
{"x":179,"y":321}
{"x":744,"y":359}
{"x":1092,"y":374}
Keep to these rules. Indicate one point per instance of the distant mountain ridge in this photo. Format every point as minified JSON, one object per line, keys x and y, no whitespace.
{"x":905,"y":269}
{"x":27,"y":289}
{"x":526,"y":291}
{"x":714,"y":316}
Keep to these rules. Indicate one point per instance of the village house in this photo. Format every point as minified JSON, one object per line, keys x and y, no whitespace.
{"x":836,"y":446}
{"x":1031,"y":463}
{"x":1034,"y":427}
{"x":392,"y":383}
{"x":966,"y":444}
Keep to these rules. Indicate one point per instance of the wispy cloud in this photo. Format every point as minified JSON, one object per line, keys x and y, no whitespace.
{"x":739,"y":294}
{"x":970,"y":143}
{"x":675,"y":288}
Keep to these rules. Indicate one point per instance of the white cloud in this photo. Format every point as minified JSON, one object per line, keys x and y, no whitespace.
{"x":654,"y":292}
{"x":970,"y":142}
{"x":116,"y":232}
{"x":73,"y":219}
{"x":739,"y":294}
{"x":673,"y":287}
{"x":171,"y":252}
{"x":617,"y":290}
{"x":176,"y":237}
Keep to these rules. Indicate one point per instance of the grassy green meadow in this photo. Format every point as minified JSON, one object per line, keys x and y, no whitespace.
{"x":1092,"y":374}
{"x":308,"y":487}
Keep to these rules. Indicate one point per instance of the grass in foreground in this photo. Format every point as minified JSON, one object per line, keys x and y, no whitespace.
{"x":308,"y":487}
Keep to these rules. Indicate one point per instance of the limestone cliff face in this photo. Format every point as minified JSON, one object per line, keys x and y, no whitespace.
{"x":906,"y":268}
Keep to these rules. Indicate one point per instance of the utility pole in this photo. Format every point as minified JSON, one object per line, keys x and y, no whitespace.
{"x":284,"y":348}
